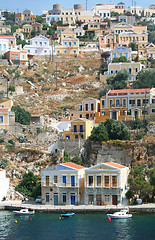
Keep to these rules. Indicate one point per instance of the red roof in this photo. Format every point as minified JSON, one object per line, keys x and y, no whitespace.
{"x":2,"y":36}
{"x":72,"y":165}
{"x":115,"y":165}
{"x":1,"y":169}
{"x":130,"y":90}
{"x":4,"y":109}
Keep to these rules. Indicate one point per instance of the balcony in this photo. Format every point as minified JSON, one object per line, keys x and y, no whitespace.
{"x":51,"y":184}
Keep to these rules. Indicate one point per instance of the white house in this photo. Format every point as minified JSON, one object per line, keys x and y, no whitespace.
{"x":4,"y":45}
{"x":4,"y":184}
{"x":62,"y":184}
{"x":39,"y":45}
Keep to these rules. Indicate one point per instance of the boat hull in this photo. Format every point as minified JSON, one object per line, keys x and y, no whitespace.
{"x":67,"y":215}
{"x":121,"y":217}
{"x":20,"y":213}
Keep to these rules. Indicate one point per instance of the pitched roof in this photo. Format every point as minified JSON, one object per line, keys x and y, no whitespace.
{"x":130,"y":90}
{"x":115,"y":165}
{"x":72,"y":165}
{"x":1,"y":170}
{"x":4,"y":109}
{"x":7,"y":36}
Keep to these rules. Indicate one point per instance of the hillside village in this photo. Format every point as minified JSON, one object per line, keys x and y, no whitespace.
{"x":77,"y":104}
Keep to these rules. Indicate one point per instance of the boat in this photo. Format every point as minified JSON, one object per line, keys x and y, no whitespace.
{"x":25,"y":211}
{"x":121,"y":214}
{"x":68,"y":214}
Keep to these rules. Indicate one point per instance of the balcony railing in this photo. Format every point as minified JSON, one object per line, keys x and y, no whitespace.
{"x":51,"y":184}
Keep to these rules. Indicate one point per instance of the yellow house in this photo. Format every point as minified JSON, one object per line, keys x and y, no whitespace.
{"x":23,"y":57}
{"x":145,"y":52}
{"x":19,"y":17}
{"x":105,"y":184}
{"x":127,"y":104}
{"x":86,"y":109}
{"x":125,"y":38}
{"x":7,"y":118}
{"x":124,"y":27}
{"x":131,"y":67}
{"x":80,"y":129}
{"x":69,"y":46}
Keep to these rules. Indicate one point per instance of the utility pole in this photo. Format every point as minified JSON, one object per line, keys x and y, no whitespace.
{"x":86,"y":4}
{"x":56,"y":75}
{"x":7,"y":87}
{"x":144,"y":114}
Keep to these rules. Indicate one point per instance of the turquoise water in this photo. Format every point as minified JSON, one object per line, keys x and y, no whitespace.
{"x":81,"y":226}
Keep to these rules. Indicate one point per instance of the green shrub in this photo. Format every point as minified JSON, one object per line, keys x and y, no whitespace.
{"x":21,"y":115}
{"x":1,"y":140}
{"x":12,"y":88}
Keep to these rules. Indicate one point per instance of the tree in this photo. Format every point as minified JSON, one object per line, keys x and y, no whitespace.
{"x":120,"y":59}
{"x":21,"y":115}
{"x":119,"y":81}
{"x":105,"y":55}
{"x":145,"y":80}
{"x":40,"y":19}
{"x":99,"y":133}
{"x":103,"y":68}
{"x":117,"y":129}
{"x":132,"y":45}
{"x":33,"y":33}
{"x":30,"y":185}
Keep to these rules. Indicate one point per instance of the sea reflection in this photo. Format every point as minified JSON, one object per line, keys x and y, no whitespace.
{"x":5,"y":224}
{"x":123,"y":227}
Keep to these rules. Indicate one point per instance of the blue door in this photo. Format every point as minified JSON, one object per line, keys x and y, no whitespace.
{"x":72,"y":199}
{"x":55,"y":198}
{"x":72,"y":180}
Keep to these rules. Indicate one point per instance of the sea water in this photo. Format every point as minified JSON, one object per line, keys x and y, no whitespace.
{"x":47,"y":226}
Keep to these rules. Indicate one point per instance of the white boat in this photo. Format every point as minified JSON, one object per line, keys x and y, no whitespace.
{"x":24,"y":211}
{"x":121,"y":214}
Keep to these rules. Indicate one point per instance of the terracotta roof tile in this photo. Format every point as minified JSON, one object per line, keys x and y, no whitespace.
{"x":130,"y":90}
{"x":115,"y":165}
{"x":73,"y":165}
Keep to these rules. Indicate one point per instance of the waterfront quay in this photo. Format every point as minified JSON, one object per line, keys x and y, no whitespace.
{"x":17,"y":205}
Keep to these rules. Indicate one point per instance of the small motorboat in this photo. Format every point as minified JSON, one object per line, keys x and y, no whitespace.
{"x":67,"y":214}
{"x":121,"y":214}
{"x":25,"y":211}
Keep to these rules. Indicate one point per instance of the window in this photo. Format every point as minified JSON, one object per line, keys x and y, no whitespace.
{"x":28,"y":51}
{"x":35,"y":51}
{"x":55,"y":179}
{"x":145,"y":101}
{"x":86,"y":107}
{"x":136,"y":69}
{"x":47,"y":180}
{"x":90,"y":181}
{"x":114,"y":55}
{"x":47,"y":197}
{"x":76,"y":136}
{"x":106,"y":198}
{"x":64,"y":197}
{"x":63,"y":179}
{"x":106,"y":181}
{"x":74,"y":43}
{"x":153,"y":110}
{"x":110,"y":102}
{"x":124,"y":112}
{"x":103,"y":103}
{"x":138,"y":102}
{"x":13,"y":56}
{"x":11,"y":42}
{"x":126,"y":54}
{"x":117,"y":103}
{"x":130,"y":78}
{"x":23,"y":56}
{"x":75,"y":128}
{"x":58,"y":51}
{"x":74,"y":51}
{"x":131,"y":101}
{"x":116,"y":71}
{"x":81,"y":128}
{"x":92,"y":106}
{"x":4,"y":47}
{"x":70,"y":44}
{"x":124,"y":102}
{"x":16,"y":57}
{"x":98,"y":180}
{"x":111,"y":71}
{"x":65,"y":43}
{"x":153,"y":100}
{"x":1,"y":119}
{"x":103,"y":113}
{"x":114,"y":181}
{"x":130,"y":70}
{"x":65,"y":51}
